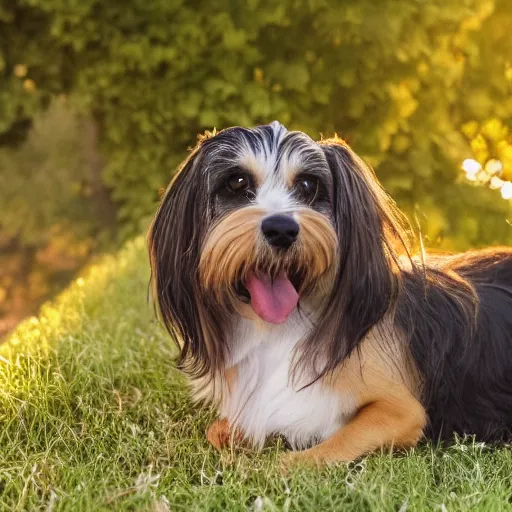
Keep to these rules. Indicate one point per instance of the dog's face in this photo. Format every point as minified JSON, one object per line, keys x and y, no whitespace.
{"x":259,"y":219}
{"x":270,"y":238}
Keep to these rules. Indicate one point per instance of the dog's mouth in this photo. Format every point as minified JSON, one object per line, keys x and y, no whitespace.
{"x":273,"y":298}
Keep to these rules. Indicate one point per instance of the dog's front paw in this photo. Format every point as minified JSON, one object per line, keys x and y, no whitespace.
{"x":218,"y":434}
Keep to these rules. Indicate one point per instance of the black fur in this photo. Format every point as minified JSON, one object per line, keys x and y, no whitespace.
{"x":455,"y":311}
{"x":190,"y":206}
{"x":174,"y":240}
{"x":364,"y":286}
{"x":458,"y":316}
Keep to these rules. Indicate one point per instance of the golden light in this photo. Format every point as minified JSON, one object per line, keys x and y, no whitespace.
{"x":506,"y":190}
{"x":488,"y":175}
{"x":29,"y":85}
{"x":471,"y":167}
{"x":20,"y":70}
{"x":496,"y":183}
{"x":493,"y":167}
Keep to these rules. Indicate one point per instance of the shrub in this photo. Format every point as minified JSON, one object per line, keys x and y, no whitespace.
{"x":397,"y":78}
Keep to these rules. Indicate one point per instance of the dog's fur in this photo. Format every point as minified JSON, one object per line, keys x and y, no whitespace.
{"x":383,"y":347}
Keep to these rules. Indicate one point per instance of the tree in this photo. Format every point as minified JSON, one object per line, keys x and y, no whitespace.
{"x":399,"y":79}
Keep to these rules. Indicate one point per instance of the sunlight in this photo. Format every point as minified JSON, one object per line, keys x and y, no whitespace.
{"x":488,"y":175}
{"x":506,"y":190}
{"x":471,"y":167}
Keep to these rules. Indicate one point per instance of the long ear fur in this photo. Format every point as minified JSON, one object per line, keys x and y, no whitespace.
{"x":368,"y":227}
{"x":174,"y":241}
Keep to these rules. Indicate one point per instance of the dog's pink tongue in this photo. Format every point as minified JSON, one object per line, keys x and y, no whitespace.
{"x":272,"y":300}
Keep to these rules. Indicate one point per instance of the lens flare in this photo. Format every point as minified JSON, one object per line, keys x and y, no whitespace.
{"x":471,"y":167}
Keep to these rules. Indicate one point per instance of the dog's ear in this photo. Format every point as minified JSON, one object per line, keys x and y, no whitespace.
{"x":174,"y":242}
{"x":366,"y":224}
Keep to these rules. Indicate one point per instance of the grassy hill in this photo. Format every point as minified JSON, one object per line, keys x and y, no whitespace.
{"x":93,"y":416}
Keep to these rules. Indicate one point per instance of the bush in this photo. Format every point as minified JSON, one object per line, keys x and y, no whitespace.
{"x":399,"y":79}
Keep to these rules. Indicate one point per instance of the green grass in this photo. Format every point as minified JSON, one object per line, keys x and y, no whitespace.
{"x":94,"y":416}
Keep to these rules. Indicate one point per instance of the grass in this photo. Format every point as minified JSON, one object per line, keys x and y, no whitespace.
{"x":95,"y":417}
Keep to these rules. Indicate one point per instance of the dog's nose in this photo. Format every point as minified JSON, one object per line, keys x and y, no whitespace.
{"x":280,"y":230}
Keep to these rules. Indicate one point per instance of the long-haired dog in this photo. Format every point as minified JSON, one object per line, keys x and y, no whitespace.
{"x":282,"y":269}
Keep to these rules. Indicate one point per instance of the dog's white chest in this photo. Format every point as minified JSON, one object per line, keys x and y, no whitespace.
{"x":263,"y":400}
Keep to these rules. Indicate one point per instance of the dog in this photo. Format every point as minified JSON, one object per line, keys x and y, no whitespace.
{"x":284,"y":272}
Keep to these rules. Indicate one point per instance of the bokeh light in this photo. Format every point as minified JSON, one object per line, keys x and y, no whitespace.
{"x":494,"y":167}
{"x":489,"y":175}
{"x":471,"y":167}
{"x":506,"y":190}
{"x":496,"y":183}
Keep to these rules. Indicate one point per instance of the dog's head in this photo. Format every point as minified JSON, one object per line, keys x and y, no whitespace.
{"x":258,"y":220}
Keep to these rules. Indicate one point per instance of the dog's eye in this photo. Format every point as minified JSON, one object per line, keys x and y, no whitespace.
{"x":238,"y":183}
{"x":307,"y":187}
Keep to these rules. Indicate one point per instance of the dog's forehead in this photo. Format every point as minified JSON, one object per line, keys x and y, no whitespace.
{"x":270,"y":152}
{"x":273,"y":155}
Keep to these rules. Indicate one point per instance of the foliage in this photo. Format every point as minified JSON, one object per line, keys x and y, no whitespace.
{"x":52,"y":210}
{"x":397,"y":78}
{"x":95,"y":417}
{"x":53,"y":154}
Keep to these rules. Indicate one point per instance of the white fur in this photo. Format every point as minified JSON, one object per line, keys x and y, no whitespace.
{"x":274,"y":198}
{"x":262,"y":399}
{"x":273,"y":194}
{"x":274,"y":166}
{"x":263,"y":158}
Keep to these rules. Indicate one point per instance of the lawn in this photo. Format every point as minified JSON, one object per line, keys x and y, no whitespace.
{"x":94,"y":416}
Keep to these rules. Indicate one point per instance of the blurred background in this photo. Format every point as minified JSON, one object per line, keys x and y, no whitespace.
{"x":99,"y":101}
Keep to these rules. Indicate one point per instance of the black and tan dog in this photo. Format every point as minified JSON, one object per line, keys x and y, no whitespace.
{"x":282,"y":269}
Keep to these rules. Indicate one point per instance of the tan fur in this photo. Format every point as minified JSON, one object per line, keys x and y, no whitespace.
{"x":395,"y":421}
{"x":291,"y":167}
{"x":230,"y":246}
{"x":386,"y":385}
{"x":255,"y":165}
{"x":234,"y":248}
{"x":318,"y":247}
{"x":219,"y":433}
